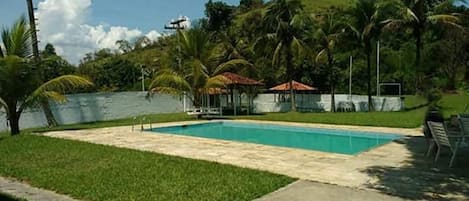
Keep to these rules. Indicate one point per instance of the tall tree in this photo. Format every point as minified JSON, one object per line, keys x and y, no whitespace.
{"x":286,"y":24}
{"x":219,"y":14}
{"x":20,"y":86}
{"x":327,"y":36}
{"x":49,"y":50}
{"x":418,"y":15}
{"x":201,"y":70}
{"x":53,"y":65}
{"x":367,"y":21}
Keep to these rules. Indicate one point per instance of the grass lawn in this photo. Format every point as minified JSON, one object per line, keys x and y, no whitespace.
{"x":409,"y":119}
{"x":155,"y":118}
{"x":96,"y":172}
{"x":412,"y":117}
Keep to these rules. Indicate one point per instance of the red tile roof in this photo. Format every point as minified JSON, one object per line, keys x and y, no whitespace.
{"x":235,"y":79}
{"x":297,"y":86}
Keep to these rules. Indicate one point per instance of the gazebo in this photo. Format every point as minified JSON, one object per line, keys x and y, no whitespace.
{"x":298,"y":88}
{"x":236,"y":85}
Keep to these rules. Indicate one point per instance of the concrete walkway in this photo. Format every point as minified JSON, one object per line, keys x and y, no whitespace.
{"x":306,"y":191}
{"x":21,"y":190}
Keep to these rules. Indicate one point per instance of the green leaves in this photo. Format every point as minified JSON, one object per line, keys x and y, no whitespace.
{"x":201,"y":68}
{"x":234,"y":64}
{"x":168,"y":81}
{"x":54,"y":89}
{"x":16,"y":40}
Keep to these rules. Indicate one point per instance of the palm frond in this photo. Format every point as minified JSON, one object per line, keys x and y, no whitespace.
{"x":443,"y":18}
{"x":3,"y":104}
{"x":53,"y":89}
{"x":17,"y":39}
{"x":298,"y":47}
{"x":276,"y":56}
{"x":54,"y":95}
{"x":354,"y":30}
{"x":170,"y":82}
{"x":1,"y":52}
{"x":165,"y":90}
{"x":232,"y":64}
{"x":216,"y":82}
{"x":411,"y":16}
{"x":321,"y":55}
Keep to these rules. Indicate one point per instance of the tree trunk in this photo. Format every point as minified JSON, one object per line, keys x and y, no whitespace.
{"x":197,"y":99}
{"x":292,"y":95}
{"x":331,"y":80}
{"x":368,"y":69}
{"x":289,"y":65}
{"x":451,"y":85}
{"x":418,"y":61}
{"x":13,"y":119}
{"x":45,"y":106}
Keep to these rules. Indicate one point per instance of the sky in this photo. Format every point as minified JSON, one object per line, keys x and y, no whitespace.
{"x":76,"y":27}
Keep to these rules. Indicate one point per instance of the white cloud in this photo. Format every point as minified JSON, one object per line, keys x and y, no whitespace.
{"x":63,"y":23}
{"x":153,"y":35}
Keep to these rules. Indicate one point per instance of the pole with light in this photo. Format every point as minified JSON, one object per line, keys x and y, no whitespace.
{"x":143,"y":77}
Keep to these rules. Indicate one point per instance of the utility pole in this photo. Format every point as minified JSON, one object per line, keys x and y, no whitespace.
{"x":350,"y":79}
{"x":177,"y":25}
{"x":377,"y":70}
{"x":32,"y":25}
{"x":143,"y":77}
{"x":51,"y":121}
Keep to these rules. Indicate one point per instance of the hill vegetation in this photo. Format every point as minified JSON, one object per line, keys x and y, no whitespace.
{"x":244,"y":29}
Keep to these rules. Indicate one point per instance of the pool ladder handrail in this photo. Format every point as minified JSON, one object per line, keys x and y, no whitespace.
{"x":142,"y":121}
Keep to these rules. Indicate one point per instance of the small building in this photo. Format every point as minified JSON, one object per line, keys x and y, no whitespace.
{"x":237,"y":88}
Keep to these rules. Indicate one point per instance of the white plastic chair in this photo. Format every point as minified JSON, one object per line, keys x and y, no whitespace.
{"x":445,"y":140}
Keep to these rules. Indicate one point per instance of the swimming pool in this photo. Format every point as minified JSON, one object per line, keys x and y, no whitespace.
{"x":327,"y":140}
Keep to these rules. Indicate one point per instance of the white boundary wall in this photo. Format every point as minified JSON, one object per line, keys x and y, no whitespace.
{"x":92,"y":107}
{"x":322,"y":102}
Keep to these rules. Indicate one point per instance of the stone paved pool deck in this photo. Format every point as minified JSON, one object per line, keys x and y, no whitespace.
{"x":369,"y":170}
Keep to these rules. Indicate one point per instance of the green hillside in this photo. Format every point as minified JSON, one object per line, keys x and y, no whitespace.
{"x":316,"y":5}
{"x":310,"y":6}
{"x":145,"y":56}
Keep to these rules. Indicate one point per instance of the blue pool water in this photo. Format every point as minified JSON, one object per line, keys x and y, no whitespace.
{"x":327,"y":140}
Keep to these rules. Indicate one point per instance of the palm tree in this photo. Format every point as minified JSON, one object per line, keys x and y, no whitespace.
{"x":366,"y":25}
{"x":20,"y":86}
{"x":417,"y":15}
{"x":21,"y":47}
{"x":17,"y":39}
{"x":201,"y":70}
{"x":285,"y":22}
{"x":326,"y":36}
